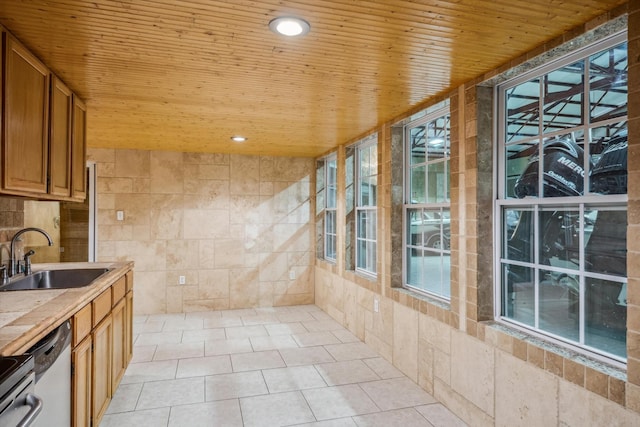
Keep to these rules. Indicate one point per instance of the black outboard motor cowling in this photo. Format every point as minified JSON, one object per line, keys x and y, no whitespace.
{"x":563,"y":173}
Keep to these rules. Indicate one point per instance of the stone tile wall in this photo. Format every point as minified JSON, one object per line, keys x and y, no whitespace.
{"x":234,"y":226}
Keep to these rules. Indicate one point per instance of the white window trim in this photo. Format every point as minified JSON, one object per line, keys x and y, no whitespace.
{"x":364,"y":144}
{"x":433,"y":113}
{"x":328,"y":210}
{"x":594,"y":201}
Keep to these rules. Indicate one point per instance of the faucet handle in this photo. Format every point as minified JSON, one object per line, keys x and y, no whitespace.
{"x":4,"y":274}
{"x":27,"y":262}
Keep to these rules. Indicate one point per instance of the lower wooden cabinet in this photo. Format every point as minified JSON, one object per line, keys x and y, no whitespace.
{"x":101,"y":353}
{"x":101,"y":373}
{"x":118,"y":352}
{"x":81,"y":359}
{"x":128,"y":312}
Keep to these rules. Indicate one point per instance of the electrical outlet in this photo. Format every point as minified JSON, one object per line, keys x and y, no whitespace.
{"x":120,"y":215}
{"x":376,"y":305}
{"x":292,"y":274}
{"x":182,"y":280}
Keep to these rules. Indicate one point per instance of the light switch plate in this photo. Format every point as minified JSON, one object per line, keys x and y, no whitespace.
{"x":120,"y":215}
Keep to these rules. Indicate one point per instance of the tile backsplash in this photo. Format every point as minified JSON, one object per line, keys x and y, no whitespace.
{"x":238,"y":228}
{"x":11,"y":220}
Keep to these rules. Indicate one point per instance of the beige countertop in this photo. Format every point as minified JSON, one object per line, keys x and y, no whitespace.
{"x":27,"y":316}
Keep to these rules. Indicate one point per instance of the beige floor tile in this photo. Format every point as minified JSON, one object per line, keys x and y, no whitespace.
{"x":139,"y":318}
{"x":347,"y":372}
{"x":345,"y":336}
{"x":257,"y":360}
{"x":311,"y":339}
{"x":384,"y":369}
{"x":305,"y":356}
{"x":322,"y":325}
{"x":246,"y":331}
{"x":291,"y":379}
{"x":153,"y":417}
{"x":158,"y":394}
{"x":233,"y":386}
{"x":202,"y":366}
{"x":285,"y":328}
{"x":338,"y":402}
{"x":296,"y":316}
{"x":222,"y":322}
{"x":165,"y":317}
{"x":279,"y":409}
{"x":203,"y":315}
{"x":182,"y":325}
{"x":159,"y":338}
{"x":203,"y":335}
{"x":259,"y":319}
{"x":408,"y":417}
{"x":320,"y":315}
{"x":222,"y":413}
{"x":439,"y":416}
{"x":351,"y":351}
{"x":125,"y":398}
{"x":397,"y":393}
{"x":150,"y":371}
{"x":230,"y":346}
{"x":146,"y":327}
{"x":143,"y":353}
{"x":340,"y":422}
{"x":272,"y":342}
{"x":179,"y":351}
{"x":238,"y":312}
{"x":271,"y":366}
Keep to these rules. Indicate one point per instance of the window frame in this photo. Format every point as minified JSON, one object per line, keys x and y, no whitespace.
{"x":366,"y":143}
{"x":330,"y":211}
{"x":436,"y":112}
{"x":581,"y":204}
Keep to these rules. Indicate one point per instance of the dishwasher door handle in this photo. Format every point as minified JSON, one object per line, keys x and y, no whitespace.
{"x":36,"y":406}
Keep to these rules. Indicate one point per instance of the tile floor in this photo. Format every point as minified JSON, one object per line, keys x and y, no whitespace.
{"x":284,"y":366}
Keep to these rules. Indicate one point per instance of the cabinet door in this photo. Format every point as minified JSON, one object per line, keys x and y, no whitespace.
{"x":60,"y":139}
{"x":129,"y":326}
{"x":118,"y":352}
{"x":25,"y":120}
{"x":78,"y":151}
{"x":81,"y":384}
{"x":101,"y":375}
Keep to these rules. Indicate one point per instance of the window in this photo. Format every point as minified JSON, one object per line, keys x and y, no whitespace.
{"x":366,"y":202}
{"x":562,"y":199}
{"x":427,"y":204}
{"x":330,"y":227}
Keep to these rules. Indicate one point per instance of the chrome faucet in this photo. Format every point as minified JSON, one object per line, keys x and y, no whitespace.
{"x":13,"y":262}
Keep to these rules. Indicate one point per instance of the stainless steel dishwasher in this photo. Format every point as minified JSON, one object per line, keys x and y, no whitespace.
{"x":19,"y":406}
{"x":52,"y":359}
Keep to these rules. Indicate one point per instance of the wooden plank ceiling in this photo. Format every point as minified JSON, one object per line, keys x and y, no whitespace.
{"x":187,"y":75}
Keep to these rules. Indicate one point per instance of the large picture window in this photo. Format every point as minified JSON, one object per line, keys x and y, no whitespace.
{"x":330,"y":217}
{"x":366,"y":204}
{"x":427,"y":204}
{"x":562,"y":199}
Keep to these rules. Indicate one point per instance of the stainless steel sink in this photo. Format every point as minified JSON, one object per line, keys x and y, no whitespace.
{"x":54,"y":279}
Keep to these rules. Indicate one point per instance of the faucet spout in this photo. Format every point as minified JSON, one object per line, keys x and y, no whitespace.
{"x":13,"y":263}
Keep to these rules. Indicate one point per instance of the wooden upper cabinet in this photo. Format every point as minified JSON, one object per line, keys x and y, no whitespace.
{"x":60,"y":139}
{"x":25,"y":120}
{"x":78,"y":151}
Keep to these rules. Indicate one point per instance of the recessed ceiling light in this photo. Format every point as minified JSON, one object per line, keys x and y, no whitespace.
{"x":289,"y":26}
{"x":238,"y":138}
